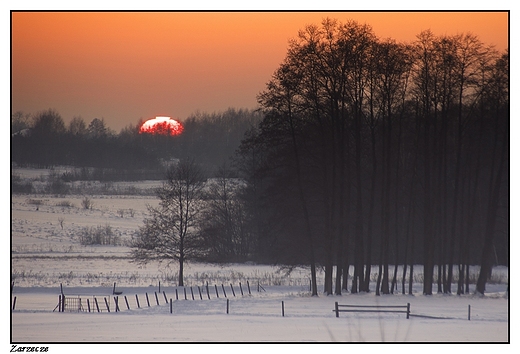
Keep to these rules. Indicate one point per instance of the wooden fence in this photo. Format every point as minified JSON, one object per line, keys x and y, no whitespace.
{"x":395,"y":309}
{"x":372,"y":308}
{"x":114,"y":303}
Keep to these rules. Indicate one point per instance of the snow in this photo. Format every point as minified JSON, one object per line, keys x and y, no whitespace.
{"x":46,"y":253}
{"x":258,"y":318}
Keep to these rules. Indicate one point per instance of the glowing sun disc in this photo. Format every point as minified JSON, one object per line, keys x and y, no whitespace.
{"x":161,"y":125}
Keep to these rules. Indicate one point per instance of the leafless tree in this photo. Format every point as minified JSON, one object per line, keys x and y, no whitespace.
{"x":224,"y":226}
{"x":170,"y":234}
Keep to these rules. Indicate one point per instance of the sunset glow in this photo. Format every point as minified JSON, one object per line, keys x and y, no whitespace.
{"x":161,"y":126}
{"x":127,"y":65}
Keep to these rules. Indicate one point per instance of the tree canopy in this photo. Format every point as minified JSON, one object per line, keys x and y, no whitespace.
{"x":378,"y":151}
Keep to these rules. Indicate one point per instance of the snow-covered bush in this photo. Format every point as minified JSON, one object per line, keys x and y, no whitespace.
{"x":101,"y":235}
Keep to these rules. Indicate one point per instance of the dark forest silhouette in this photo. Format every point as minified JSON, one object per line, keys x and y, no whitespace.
{"x":44,"y":141}
{"x":377,"y":152}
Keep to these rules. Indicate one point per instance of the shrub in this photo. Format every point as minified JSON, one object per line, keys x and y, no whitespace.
{"x":36,"y":202}
{"x":100,"y":235}
{"x":65,"y":204}
{"x":122,"y":212}
{"x":87,"y":203}
{"x":56,"y":185}
{"x":19,"y":186}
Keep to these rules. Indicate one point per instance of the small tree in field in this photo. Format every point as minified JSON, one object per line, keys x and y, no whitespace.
{"x":224,"y":225}
{"x":169,"y":233}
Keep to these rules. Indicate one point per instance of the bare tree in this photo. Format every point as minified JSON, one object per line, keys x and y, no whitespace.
{"x":20,"y":121}
{"x":77,"y":126}
{"x":48,"y":124}
{"x":223,"y":225}
{"x":98,"y":129}
{"x":47,"y":136}
{"x":169,"y":233}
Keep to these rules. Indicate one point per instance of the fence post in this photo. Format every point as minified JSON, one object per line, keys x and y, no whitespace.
{"x":156,"y":299}
{"x":216,"y":291}
{"x":97,"y":305}
{"x":207,"y":289}
{"x":116,"y":301}
{"x":191,"y":289}
{"x":127,"y":306}
{"x":176,"y":294}
{"x":248,"y":288}
{"x":469,"y":312}
{"x":283,"y":310}
{"x":88,"y":305}
{"x":165,"y":298}
{"x":62,"y":302}
{"x":200,"y":293}
{"x":159,"y":286}
{"x":14,"y":303}
{"x":233,"y":290}
{"x":336,"y":309}
{"x":59,"y":303}
{"x":407,"y":311}
{"x":137,"y":300}
{"x":224,"y":291}
{"x":171,"y":306}
{"x":106,"y":303}
{"x":147,"y":300}
{"x":240,"y":284}
{"x":227,"y":306}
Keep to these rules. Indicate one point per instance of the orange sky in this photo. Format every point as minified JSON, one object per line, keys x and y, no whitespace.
{"x":126,"y":66}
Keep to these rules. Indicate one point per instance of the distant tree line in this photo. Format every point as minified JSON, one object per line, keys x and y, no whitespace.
{"x":44,"y":140}
{"x":378,"y":152}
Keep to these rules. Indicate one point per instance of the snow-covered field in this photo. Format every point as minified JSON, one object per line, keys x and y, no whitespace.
{"x":46,"y":253}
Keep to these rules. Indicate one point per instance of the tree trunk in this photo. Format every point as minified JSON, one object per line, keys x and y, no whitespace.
{"x":345,"y":272}
{"x":489,"y":232}
{"x":386,"y":173}
{"x":368,"y":261}
{"x":327,"y":287}
{"x":359,"y":247}
{"x":181,"y":272}
{"x":428,"y":244}
{"x":406,"y":245}
{"x":312,"y":257}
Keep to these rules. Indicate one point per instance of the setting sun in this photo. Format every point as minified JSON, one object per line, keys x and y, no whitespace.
{"x":161,"y":126}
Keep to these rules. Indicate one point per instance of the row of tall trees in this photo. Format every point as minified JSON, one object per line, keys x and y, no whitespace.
{"x":45,"y":140}
{"x":378,"y":152}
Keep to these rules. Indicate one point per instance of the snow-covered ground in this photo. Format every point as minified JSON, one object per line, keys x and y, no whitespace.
{"x":46,"y":253}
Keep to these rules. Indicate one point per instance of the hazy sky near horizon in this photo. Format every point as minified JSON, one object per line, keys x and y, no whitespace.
{"x":127,"y":66}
